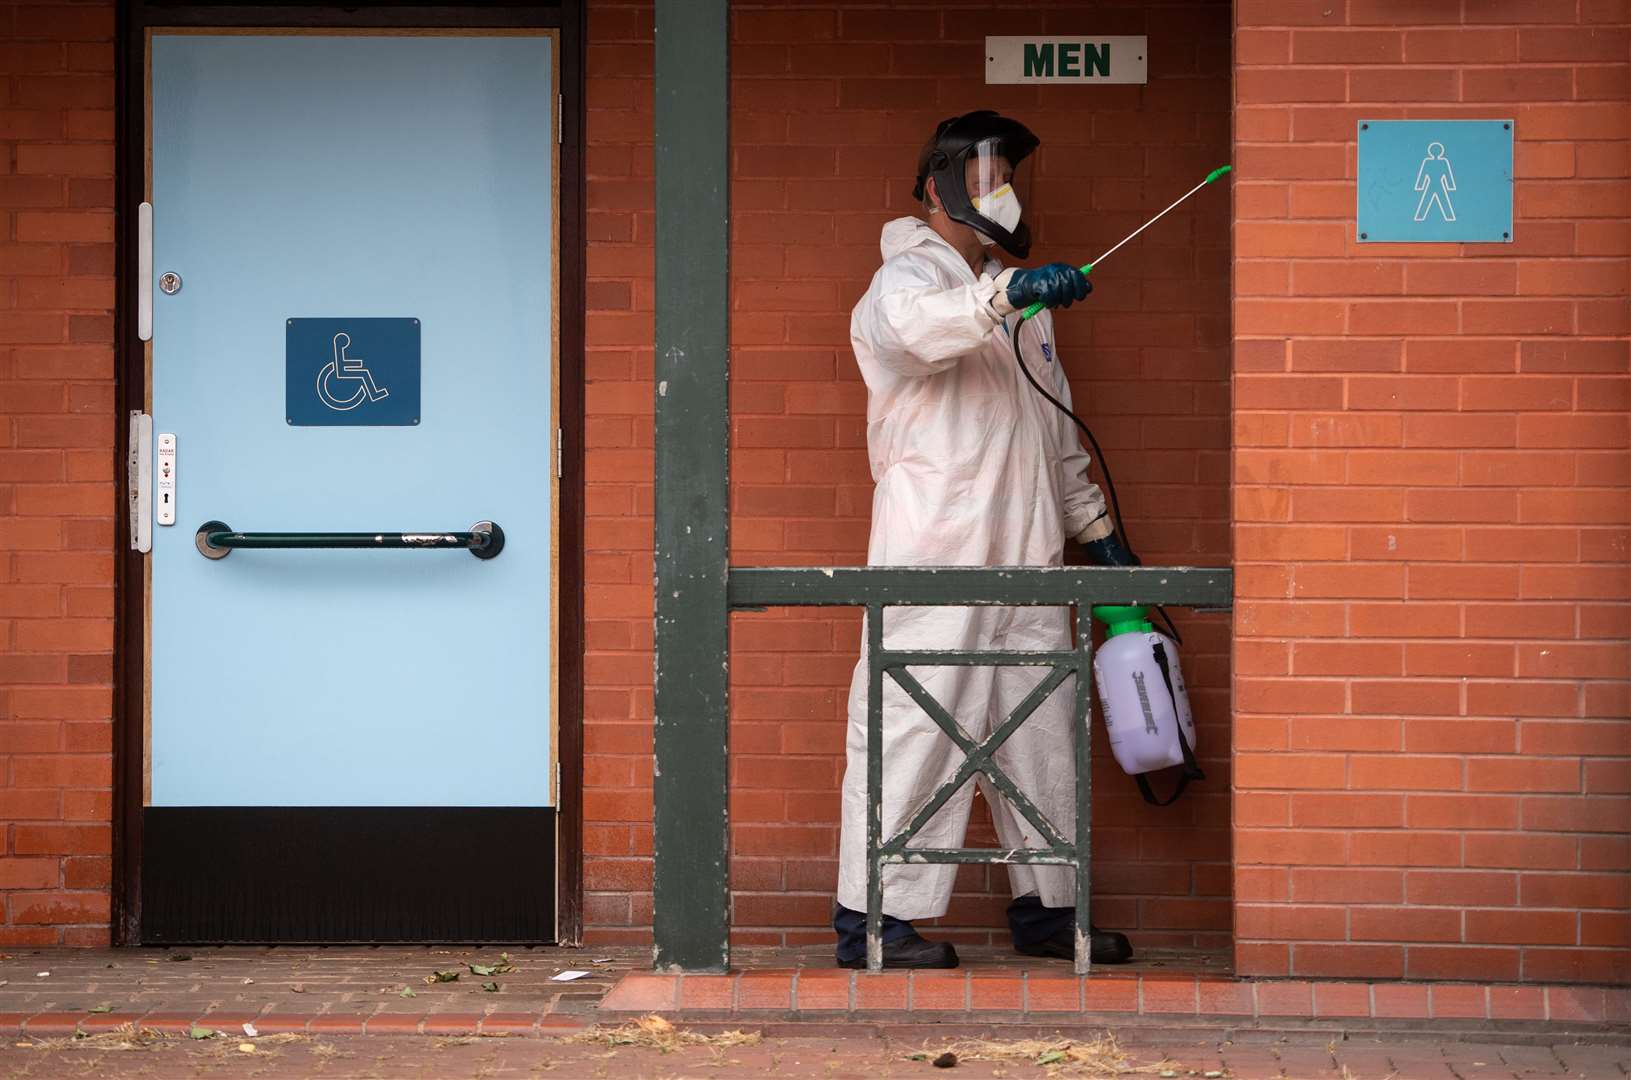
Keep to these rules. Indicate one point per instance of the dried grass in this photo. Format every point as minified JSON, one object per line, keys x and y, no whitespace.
{"x":1098,"y":1057}
{"x":131,"y":1037}
{"x":124,"y":1037}
{"x":657,"y":1033}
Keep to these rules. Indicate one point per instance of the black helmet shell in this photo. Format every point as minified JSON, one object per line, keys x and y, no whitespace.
{"x":943,"y":158}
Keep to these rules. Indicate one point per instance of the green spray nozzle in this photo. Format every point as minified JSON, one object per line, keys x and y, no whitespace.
{"x":1036,"y":308}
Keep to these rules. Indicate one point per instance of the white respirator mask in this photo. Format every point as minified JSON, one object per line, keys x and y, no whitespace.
{"x":1001,"y":207}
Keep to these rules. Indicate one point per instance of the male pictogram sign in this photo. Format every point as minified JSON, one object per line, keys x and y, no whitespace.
{"x":1434,"y":181}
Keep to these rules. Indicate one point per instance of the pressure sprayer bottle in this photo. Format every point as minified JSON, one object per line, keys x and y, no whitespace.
{"x":1142,"y":695}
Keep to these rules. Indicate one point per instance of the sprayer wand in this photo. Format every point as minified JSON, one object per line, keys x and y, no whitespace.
{"x":1036,"y":308}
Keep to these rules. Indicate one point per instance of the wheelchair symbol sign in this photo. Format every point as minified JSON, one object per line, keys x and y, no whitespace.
{"x":352,"y":372}
{"x":350,"y":369}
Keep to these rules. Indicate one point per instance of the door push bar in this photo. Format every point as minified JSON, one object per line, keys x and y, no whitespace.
{"x":216,"y":539}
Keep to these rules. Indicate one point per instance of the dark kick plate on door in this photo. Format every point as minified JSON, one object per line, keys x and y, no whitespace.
{"x":321,"y":875}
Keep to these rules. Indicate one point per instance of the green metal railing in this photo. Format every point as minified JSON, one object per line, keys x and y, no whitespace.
{"x":879,"y":588}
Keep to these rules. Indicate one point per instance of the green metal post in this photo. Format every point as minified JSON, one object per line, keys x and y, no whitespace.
{"x":874,"y":787}
{"x":1082,"y":722}
{"x":691,"y":919}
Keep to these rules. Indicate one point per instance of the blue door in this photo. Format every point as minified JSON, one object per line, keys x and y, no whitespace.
{"x":353,"y":343}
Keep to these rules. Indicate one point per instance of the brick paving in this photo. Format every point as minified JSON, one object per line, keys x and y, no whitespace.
{"x":383,"y":993}
{"x":335,"y":990}
{"x":828,"y":1054}
{"x":996,"y":986}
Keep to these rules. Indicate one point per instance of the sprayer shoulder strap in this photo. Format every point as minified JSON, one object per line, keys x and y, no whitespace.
{"x":1192,"y":770}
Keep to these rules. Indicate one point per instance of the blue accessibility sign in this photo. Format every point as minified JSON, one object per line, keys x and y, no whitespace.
{"x":352,"y":372}
{"x":1435,"y":181}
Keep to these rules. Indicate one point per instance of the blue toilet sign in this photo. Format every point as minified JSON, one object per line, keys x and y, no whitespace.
{"x":352,"y":372}
{"x":1435,"y":181}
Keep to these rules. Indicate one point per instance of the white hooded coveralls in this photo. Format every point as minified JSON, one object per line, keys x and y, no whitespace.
{"x":973,"y":468}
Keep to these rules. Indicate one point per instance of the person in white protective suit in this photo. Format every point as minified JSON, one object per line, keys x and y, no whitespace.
{"x":973,"y":468}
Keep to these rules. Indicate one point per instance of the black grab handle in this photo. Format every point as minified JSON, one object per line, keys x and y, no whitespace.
{"x":216,"y":540}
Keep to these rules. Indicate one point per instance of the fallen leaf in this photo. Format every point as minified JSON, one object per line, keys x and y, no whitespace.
{"x":196,"y":1032}
{"x":179,"y":957}
{"x":480,"y":969}
{"x":297,"y":989}
{"x":1050,"y":1057}
{"x":442,"y":977}
{"x":490,"y":987}
{"x":101,"y":1008}
{"x":407,"y":991}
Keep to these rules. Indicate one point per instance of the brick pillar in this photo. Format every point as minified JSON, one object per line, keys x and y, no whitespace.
{"x":1431,"y":507}
{"x":56,"y":471}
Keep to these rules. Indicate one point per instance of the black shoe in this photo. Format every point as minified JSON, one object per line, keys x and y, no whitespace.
{"x":911,"y":951}
{"x":1104,"y":946}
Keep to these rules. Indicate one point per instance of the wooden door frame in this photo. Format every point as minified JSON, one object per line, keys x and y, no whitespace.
{"x":135,"y":18}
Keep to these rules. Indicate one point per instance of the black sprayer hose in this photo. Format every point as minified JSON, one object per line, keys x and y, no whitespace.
{"x":1098,"y":456}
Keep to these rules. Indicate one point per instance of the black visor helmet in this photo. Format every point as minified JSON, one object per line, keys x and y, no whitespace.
{"x":970,"y":159}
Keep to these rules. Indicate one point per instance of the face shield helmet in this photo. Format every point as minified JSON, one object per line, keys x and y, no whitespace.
{"x":980,"y":166}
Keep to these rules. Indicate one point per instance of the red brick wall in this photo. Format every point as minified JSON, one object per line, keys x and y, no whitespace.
{"x":830,"y":103}
{"x":1431,"y":506}
{"x":56,"y":471}
{"x":1431,"y":466}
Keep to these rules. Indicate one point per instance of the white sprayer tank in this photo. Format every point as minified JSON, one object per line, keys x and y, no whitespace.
{"x":1140,"y":714}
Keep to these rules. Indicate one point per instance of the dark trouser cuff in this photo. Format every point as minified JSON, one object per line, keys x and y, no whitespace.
{"x":1031,"y":923}
{"x":851,"y":928}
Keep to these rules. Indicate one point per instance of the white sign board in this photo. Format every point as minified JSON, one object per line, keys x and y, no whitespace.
{"x":1066,"y":60}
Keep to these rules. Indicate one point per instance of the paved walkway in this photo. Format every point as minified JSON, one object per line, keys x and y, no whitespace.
{"x":832,"y":1056}
{"x":384,"y":990}
{"x":181,"y":1012}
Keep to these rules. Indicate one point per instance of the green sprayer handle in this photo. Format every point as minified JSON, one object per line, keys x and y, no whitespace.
{"x":1036,"y":309}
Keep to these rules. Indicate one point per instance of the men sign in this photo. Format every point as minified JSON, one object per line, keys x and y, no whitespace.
{"x":1066,"y":60}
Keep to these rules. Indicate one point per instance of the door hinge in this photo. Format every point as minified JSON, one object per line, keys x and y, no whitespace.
{"x":560,"y":456}
{"x":139,"y":481}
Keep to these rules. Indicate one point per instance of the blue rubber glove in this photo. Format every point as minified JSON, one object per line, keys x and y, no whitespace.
{"x":1110,"y":551}
{"x":1054,"y":285}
